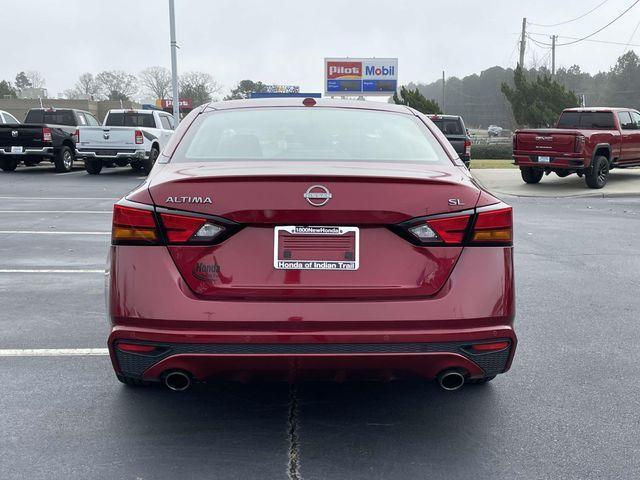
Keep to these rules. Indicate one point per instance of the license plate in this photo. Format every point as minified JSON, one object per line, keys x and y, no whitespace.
{"x":316,"y":248}
{"x":544,"y":159}
{"x":17,"y":149}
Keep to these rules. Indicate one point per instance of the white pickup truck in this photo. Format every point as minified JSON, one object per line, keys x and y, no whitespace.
{"x":126,"y":137}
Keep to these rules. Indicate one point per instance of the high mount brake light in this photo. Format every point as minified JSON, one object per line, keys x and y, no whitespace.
{"x":183,"y":228}
{"x":488,"y":227}
{"x":133,"y":226}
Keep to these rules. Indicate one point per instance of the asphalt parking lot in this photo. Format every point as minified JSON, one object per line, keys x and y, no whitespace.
{"x":569,"y":408}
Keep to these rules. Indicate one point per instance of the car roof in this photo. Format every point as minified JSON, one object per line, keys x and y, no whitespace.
{"x":55,"y":109}
{"x":297,"y":102}
{"x":435,"y":116}
{"x":597,"y":109}
{"x":133,"y":110}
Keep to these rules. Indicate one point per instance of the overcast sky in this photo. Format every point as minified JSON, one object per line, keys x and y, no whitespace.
{"x":286,"y":41}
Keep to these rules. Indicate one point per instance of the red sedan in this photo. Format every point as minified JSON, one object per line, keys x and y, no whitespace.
{"x":310,"y":238}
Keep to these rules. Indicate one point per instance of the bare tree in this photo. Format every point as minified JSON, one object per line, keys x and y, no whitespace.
{"x":86,"y":87}
{"x":117,"y":85}
{"x":156,"y":81}
{"x":35,"y":79}
{"x":198,"y":86}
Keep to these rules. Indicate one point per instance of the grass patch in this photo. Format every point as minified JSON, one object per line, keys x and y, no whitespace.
{"x":478,"y":164}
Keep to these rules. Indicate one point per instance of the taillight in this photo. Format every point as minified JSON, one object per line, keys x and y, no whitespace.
{"x":46,"y":134}
{"x":139,"y":137}
{"x":493,"y":226}
{"x":489,"y":226}
{"x":442,"y":230}
{"x":467,"y":148}
{"x":76,"y":136}
{"x":183,"y":228}
{"x":579,"y":145}
{"x":133,"y":226}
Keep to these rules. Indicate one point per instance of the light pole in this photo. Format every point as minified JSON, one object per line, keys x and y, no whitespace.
{"x":174,"y":62}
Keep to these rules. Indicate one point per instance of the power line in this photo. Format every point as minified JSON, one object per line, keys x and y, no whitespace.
{"x":609,"y":42}
{"x":597,"y":31}
{"x":572,"y":20}
{"x":631,"y":38}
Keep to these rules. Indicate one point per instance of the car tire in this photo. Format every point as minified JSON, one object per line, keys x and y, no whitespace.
{"x":598,"y":174}
{"x":531,"y":174}
{"x":93,"y":167}
{"x":148,"y":163}
{"x":480,"y":381}
{"x":64,"y":160}
{"x":8,"y":164}
{"x":132,"y":382}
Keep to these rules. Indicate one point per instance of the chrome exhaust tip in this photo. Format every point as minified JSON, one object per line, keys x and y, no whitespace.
{"x":177,"y":380}
{"x":451,"y":380}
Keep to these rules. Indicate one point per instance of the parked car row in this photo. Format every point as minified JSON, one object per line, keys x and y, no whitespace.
{"x":126,"y":137}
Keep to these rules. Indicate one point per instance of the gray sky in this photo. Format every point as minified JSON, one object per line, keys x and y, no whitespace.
{"x":286,"y":41}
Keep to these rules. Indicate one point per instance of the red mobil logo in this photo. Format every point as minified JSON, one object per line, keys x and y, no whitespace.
{"x":344,"y":70}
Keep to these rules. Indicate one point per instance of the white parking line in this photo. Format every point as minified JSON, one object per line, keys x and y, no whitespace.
{"x":51,"y":270}
{"x":55,"y":211}
{"x":52,"y":352}
{"x":75,"y":172}
{"x":47,"y":232}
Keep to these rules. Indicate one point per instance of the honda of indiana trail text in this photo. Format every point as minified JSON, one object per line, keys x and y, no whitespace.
{"x":310,"y":239}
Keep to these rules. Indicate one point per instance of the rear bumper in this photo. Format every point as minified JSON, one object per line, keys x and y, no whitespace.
{"x":312,"y":359}
{"x":111,"y":155}
{"x":38,"y":152}
{"x":558,"y":161}
{"x":150,"y":303}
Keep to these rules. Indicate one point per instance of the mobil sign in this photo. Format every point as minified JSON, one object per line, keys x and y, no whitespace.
{"x":361,"y":76}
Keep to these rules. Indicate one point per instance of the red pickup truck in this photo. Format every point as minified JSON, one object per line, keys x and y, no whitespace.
{"x":586,"y":141}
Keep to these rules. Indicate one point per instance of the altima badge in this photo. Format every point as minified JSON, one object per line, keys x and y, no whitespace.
{"x":317,"y":195}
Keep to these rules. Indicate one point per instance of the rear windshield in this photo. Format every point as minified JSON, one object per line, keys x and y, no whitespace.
{"x":302,"y":133}
{"x":130,"y":120}
{"x":449,"y":127}
{"x":594,"y":120}
{"x":55,"y":117}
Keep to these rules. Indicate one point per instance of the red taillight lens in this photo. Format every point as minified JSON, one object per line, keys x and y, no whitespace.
{"x":135,"y":347}
{"x":489,"y":347}
{"x":182,"y":228}
{"x":467,"y":148}
{"x":46,"y":134}
{"x":133,"y":226}
{"x":139,"y":137}
{"x":442,"y":230}
{"x":579,"y":145}
{"x":494,"y":226}
{"x":76,"y":136}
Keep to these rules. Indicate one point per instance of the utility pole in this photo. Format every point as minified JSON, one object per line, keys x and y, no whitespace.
{"x":174,"y":61}
{"x":443,"y":97}
{"x":553,"y":54}
{"x":523,"y":41}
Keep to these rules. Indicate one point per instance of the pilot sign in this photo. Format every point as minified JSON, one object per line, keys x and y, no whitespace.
{"x":360,"y":76}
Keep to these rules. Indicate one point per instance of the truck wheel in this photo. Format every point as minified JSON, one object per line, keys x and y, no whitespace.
{"x":64,"y":160}
{"x":148,"y":163}
{"x":93,"y":167}
{"x":8,"y":164}
{"x":531,"y":174}
{"x":597,"y":175}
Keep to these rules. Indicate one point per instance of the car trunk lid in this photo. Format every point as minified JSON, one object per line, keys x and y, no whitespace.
{"x":268,"y":202}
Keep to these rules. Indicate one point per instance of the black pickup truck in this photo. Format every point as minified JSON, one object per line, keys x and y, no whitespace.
{"x":46,"y":134}
{"x":453,"y":128}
